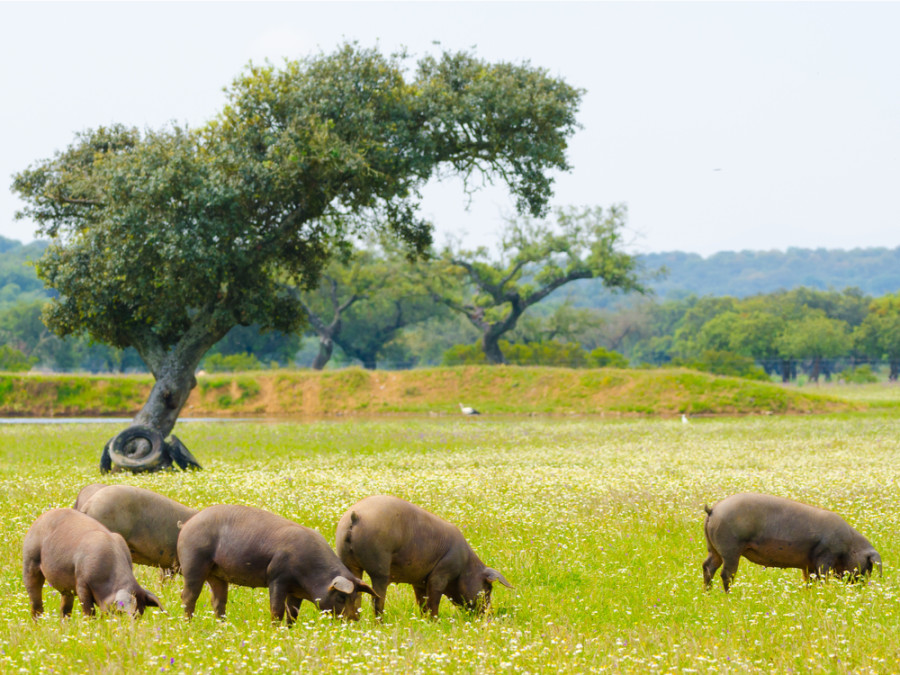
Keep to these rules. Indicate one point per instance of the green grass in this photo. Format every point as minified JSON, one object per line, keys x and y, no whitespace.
{"x":597,"y":523}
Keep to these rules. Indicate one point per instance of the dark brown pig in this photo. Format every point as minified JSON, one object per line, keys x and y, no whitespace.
{"x":250,"y":547}
{"x":149,"y":521}
{"x":395,"y":541}
{"x":778,"y":532}
{"x":78,"y":556}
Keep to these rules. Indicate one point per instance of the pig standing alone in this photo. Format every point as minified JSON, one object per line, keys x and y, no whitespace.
{"x":778,"y":532}
{"x":148,"y":521}
{"x":78,"y":556}
{"x":395,"y":541}
{"x":250,"y":547}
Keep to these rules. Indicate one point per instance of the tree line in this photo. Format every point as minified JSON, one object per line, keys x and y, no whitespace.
{"x":377,"y":307}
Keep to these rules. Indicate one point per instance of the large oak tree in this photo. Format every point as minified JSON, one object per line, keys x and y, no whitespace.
{"x":165,"y":239}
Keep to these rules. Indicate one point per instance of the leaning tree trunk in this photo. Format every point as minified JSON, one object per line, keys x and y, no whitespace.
{"x":167,"y":398}
{"x":491,"y":333}
{"x":326,"y":347}
{"x":491,"y":345}
{"x":143,"y":446}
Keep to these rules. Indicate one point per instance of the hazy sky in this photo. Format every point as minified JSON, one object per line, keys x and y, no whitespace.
{"x":722,"y":126}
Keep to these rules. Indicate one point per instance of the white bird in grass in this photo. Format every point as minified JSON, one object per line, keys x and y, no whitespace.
{"x":468,"y":410}
{"x":684,"y":419}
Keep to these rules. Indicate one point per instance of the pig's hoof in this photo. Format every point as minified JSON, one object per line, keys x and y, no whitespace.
{"x":138,"y":449}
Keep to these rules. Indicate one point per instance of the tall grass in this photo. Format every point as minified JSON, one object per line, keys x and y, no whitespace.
{"x":598,"y":524}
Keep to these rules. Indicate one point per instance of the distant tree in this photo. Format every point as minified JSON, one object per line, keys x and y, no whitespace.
{"x":689,"y":339}
{"x":755,"y":336}
{"x":620,"y":330}
{"x":878,"y":336}
{"x":549,"y":353}
{"x":22,"y":328}
{"x":536,"y":258}
{"x":18,"y":281}
{"x":13,"y":361}
{"x":720,"y":362}
{"x":427,"y":342}
{"x":165,"y":240}
{"x":264,"y":346}
{"x":815,"y":337}
{"x":561,"y":322}
{"x":364,"y":301}
{"x":850,"y":305}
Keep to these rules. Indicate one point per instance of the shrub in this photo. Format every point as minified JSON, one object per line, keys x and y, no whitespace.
{"x":604,"y":358}
{"x":860,"y":375}
{"x":217,"y":363}
{"x":549,"y":353}
{"x":724,"y":363}
{"x":464,"y":355}
{"x":14,"y":361}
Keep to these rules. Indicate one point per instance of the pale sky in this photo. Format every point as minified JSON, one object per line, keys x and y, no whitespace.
{"x":722,"y":126}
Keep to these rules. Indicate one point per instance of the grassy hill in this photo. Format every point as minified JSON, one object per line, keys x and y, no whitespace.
{"x":492,"y":390}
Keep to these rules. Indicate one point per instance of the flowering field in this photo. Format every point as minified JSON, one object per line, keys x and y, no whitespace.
{"x":598,"y":525}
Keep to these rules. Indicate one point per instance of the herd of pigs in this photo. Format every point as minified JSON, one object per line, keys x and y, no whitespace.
{"x":88,"y":551}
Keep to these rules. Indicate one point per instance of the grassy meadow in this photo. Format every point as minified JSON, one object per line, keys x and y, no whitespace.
{"x":596,"y":522}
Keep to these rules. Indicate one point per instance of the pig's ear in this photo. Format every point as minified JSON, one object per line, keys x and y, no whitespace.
{"x":342,"y":585}
{"x":151,"y":600}
{"x":493,"y":575}
{"x":365,"y":588}
{"x":875,"y":561}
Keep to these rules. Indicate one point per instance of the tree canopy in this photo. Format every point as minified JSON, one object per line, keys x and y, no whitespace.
{"x":165,"y":239}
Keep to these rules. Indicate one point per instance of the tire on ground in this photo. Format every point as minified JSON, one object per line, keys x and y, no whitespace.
{"x":153,"y":460}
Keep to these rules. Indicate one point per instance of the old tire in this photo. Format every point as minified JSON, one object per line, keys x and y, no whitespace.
{"x":152,"y":460}
{"x":181,"y":455}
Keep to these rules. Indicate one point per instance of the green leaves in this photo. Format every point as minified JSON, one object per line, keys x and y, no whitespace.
{"x":155,"y":232}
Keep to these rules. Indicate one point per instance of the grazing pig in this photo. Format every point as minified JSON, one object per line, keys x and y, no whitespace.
{"x":778,"y":532}
{"x":250,"y":547}
{"x":148,"y":521}
{"x":78,"y":556}
{"x":86,"y":493}
{"x":395,"y":541}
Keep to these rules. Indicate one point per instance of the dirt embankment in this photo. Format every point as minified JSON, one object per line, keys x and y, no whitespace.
{"x":510,"y":390}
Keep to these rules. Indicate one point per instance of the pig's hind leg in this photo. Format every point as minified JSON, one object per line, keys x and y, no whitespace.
{"x":712,"y":563}
{"x":34,"y":586}
{"x":218,"y":589}
{"x":729,"y":568}
{"x":66,"y":604}
{"x":194,"y":576}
